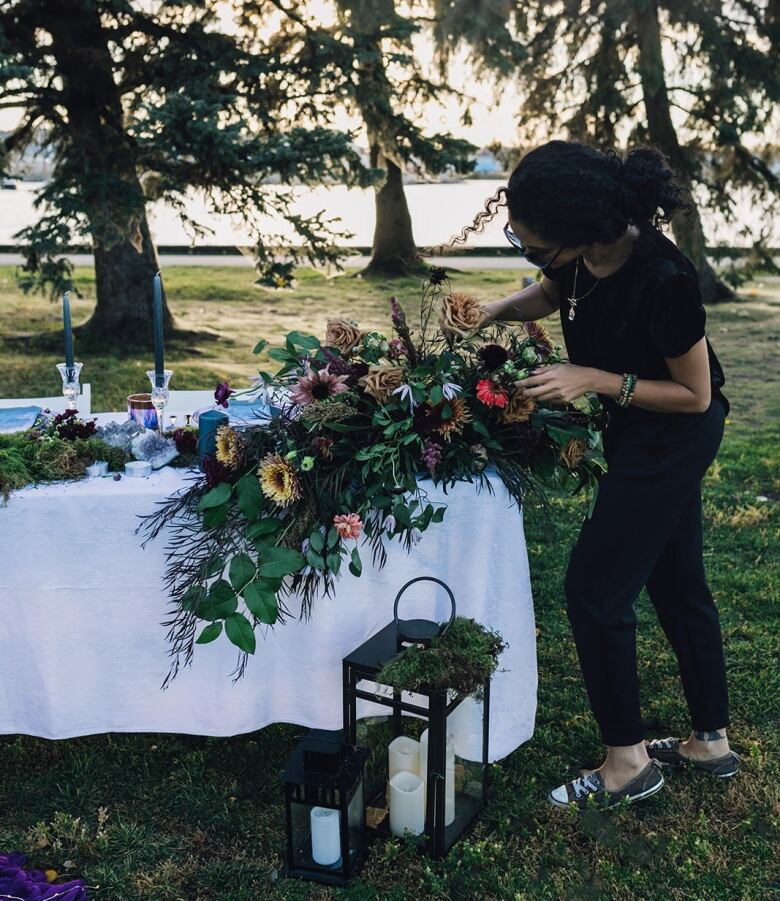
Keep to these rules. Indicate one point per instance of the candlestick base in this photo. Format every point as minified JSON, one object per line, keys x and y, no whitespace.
{"x":160,"y":393}
{"x":71,"y":385}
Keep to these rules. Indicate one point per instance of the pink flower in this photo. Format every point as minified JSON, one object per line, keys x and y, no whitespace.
{"x":318,"y":385}
{"x":348,"y":525}
{"x":491,"y":395}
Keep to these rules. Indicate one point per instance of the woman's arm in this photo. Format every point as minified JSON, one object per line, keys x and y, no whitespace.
{"x":534,"y":302}
{"x":688,"y":391}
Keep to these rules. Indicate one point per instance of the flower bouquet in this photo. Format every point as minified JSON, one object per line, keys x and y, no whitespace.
{"x":364,"y":423}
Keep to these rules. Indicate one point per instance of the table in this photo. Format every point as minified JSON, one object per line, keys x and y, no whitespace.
{"x":83,"y":649}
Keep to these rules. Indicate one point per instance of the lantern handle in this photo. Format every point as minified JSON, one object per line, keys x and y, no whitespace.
{"x":426,"y":579}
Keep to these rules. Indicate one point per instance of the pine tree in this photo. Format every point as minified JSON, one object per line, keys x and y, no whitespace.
{"x":618,"y":69}
{"x":147,"y":102}
{"x":388,"y":87}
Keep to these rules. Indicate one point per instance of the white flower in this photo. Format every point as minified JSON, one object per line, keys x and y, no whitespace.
{"x":389,"y":524}
{"x":450,"y":389}
{"x":415,"y":535}
{"x":307,"y":570}
{"x":405,"y":391}
{"x":305,"y":546}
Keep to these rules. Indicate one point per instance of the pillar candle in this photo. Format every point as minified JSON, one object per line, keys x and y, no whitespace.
{"x":66,"y":323}
{"x":449,"y":789}
{"x":208,"y":423}
{"x":404,"y":754}
{"x":407,"y":804}
{"x":159,"y":363}
{"x":325,"y":840}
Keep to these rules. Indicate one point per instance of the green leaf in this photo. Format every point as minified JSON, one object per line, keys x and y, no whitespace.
{"x":437,"y":395}
{"x":239,"y":630}
{"x":222,"y":599}
{"x":355,"y":565}
{"x":241,"y":570}
{"x":280,"y":562}
{"x":446,"y":411}
{"x":281,"y":355}
{"x":307,"y":342}
{"x":262,"y":529}
{"x":209,"y":633}
{"x":260,"y":346}
{"x":218,"y":495}
{"x":334,"y":563}
{"x":211,"y":567}
{"x":193,"y":596}
{"x":480,"y":428}
{"x":261,"y":603}
{"x":314,"y":559}
{"x":382,"y":501}
{"x":438,"y":514}
{"x":333,"y":537}
{"x":250,"y":497}
{"x":215,"y":516}
{"x":316,"y":540}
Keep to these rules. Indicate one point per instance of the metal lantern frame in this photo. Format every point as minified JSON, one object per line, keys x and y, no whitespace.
{"x":324,"y":772}
{"x":363,"y":664}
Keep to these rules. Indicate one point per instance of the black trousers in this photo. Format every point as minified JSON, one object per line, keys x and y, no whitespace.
{"x":646,"y":530}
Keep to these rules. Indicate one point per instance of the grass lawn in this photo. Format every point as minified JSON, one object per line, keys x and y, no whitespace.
{"x":161,"y":816}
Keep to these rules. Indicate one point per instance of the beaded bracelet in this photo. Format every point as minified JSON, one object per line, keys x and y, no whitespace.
{"x":627,"y":390}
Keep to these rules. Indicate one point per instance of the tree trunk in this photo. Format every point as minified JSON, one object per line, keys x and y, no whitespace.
{"x":104,"y":157}
{"x":393,"y":252}
{"x":688,"y":231}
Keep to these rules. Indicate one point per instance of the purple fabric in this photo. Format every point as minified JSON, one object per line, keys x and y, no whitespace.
{"x":31,"y":885}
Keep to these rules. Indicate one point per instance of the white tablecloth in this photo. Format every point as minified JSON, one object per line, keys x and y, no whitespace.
{"x":83,"y":650}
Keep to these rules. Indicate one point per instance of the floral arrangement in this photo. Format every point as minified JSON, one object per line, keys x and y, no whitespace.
{"x":364,"y":422}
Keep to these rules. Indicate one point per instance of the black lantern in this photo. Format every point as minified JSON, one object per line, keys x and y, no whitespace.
{"x":327,"y":839}
{"x":453,"y":785}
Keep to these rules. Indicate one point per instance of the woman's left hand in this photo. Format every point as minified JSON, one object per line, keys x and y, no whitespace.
{"x":557,"y":383}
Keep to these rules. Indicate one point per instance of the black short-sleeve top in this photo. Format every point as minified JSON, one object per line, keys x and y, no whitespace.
{"x":650,"y":308}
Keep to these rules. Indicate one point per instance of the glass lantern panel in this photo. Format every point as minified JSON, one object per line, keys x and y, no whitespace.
{"x":356,"y":819}
{"x":315,"y":836}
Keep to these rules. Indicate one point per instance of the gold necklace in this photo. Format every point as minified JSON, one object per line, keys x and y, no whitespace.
{"x":573,"y":300}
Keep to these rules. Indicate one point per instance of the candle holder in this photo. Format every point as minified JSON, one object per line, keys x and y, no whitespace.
{"x":160,"y":393}
{"x":326,"y":837}
{"x":420,"y":736}
{"x":71,"y":386}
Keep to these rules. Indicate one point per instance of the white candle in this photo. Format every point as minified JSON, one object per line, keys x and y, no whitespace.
{"x":404,"y":755}
{"x":325,"y":841}
{"x":449,"y":791}
{"x":407,"y":803}
{"x":138,"y":468}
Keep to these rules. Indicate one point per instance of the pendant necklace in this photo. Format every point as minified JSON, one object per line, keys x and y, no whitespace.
{"x":573,"y":300}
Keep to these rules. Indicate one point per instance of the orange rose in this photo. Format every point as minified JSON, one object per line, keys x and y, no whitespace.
{"x":381,"y":381}
{"x":518,"y":409}
{"x":343,"y":335}
{"x":572,"y":454}
{"x":461,"y":313}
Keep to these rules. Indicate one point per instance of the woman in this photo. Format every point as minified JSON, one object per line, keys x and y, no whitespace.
{"x":633,"y":324}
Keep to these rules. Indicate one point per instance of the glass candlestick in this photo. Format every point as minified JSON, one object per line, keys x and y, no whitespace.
{"x":71,"y":387}
{"x":160,"y":393}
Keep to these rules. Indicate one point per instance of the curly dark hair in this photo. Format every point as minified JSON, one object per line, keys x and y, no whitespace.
{"x":573,"y":194}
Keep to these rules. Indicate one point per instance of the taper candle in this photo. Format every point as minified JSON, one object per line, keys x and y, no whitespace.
{"x":159,"y":362}
{"x":66,"y":323}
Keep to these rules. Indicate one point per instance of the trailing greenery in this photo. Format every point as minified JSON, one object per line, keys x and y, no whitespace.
{"x":461,"y":659}
{"x":27,"y":458}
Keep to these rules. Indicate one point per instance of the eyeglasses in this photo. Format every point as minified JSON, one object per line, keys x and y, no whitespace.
{"x":532,"y":258}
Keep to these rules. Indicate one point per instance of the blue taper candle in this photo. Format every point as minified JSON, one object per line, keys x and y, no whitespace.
{"x":159,"y":363}
{"x":66,"y":323}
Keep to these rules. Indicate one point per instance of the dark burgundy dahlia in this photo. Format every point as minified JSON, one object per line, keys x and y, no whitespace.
{"x":492,"y":356}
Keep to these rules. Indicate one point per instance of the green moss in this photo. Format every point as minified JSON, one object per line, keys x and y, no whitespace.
{"x":25,"y":460}
{"x":461,"y":659}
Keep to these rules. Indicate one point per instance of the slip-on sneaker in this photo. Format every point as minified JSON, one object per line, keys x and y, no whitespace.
{"x":666,"y":752}
{"x":579,"y":790}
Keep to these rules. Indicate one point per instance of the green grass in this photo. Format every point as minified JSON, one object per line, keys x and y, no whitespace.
{"x":155,"y":816}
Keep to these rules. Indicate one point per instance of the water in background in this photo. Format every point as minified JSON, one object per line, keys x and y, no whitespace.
{"x":438,"y":210}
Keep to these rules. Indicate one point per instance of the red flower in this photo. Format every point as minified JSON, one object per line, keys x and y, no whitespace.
{"x":491,"y":395}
